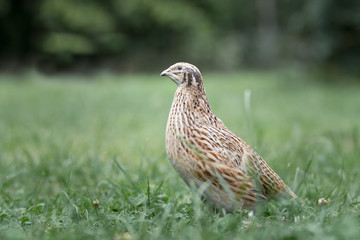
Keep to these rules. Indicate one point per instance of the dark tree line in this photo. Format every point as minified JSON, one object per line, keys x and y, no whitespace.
{"x":144,"y":34}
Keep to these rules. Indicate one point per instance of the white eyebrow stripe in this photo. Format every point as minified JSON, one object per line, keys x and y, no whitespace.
{"x":194,"y":82}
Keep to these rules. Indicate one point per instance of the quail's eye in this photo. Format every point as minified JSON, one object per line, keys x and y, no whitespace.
{"x":180,"y":67}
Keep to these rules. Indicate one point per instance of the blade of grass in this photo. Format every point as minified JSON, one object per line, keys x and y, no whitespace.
{"x":305,"y":173}
{"x":125,"y":173}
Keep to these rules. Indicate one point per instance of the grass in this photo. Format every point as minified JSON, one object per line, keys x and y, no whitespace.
{"x":67,"y":141}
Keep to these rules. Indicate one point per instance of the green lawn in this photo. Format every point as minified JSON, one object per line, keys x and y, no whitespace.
{"x":66,"y":141}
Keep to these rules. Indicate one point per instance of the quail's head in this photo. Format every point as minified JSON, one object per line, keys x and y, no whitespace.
{"x":184,"y":75}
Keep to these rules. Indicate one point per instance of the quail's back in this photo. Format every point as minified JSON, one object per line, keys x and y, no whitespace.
{"x":203,"y":151}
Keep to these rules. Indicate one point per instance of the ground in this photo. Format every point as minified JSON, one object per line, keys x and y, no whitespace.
{"x":84,"y":157}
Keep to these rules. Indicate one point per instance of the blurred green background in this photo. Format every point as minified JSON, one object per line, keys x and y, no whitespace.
{"x":142,"y":35}
{"x":83,"y":112}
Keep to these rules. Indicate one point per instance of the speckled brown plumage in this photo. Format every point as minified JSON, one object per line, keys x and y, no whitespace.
{"x":203,"y":151}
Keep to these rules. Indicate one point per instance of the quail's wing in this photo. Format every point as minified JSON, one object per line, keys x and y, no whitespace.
{"x":230,"y":154}
{"x":220,"y":158}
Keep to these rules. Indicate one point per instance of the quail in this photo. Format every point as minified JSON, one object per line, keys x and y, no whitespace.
{"x":204,"y":152}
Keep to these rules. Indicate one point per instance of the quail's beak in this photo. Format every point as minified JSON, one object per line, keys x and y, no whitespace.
{"x":164,"y":73}
{"x":169,"y":73}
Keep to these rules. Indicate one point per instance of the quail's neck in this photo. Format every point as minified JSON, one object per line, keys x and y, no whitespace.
{"x":195,"y":103}
{"x":196,"y":91}
{"x":191,"y":95}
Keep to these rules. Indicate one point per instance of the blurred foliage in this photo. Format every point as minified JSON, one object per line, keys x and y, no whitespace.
{"x":141,"y":34}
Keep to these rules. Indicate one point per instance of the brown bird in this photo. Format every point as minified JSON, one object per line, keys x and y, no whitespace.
{"x":209,"y":156}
